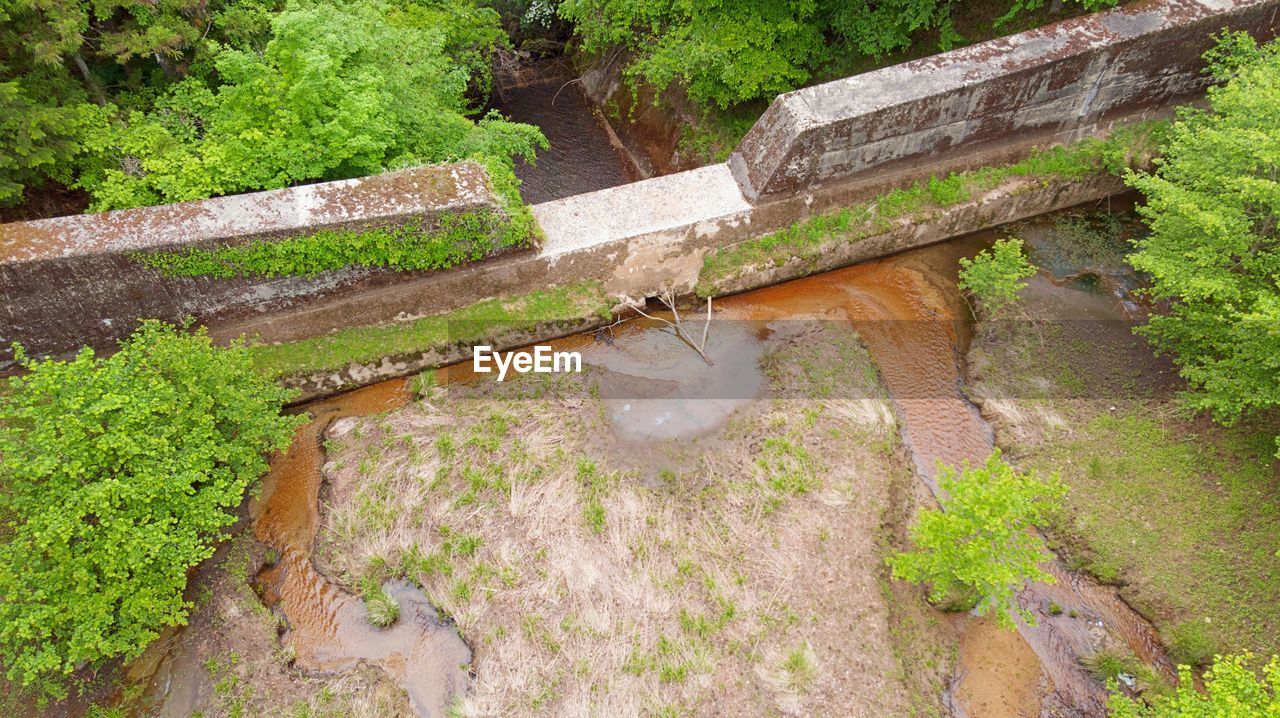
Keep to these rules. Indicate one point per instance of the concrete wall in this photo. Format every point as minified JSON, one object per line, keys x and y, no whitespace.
{"x":634,"y":261}
{"x":1055,"y":83}
{"x":69,"y":281}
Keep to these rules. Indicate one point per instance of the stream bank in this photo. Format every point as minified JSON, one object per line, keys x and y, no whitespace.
{"x":481,"y":493}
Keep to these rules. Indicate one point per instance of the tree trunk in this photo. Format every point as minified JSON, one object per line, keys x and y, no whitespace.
{"x":90,"y":81}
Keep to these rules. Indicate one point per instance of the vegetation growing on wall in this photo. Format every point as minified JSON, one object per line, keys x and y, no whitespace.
{"x":117,"y":475}
{"x":457,"y":238}
{"x":1213,"y":204}
{"x":144,"y":103}
{"x":808,"y":239}
{"x":480,"y":321}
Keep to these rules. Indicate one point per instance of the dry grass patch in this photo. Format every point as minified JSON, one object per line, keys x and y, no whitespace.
{"x":744,"y":578}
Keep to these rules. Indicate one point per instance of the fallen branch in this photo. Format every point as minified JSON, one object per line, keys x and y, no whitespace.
{"x":699,"y":347}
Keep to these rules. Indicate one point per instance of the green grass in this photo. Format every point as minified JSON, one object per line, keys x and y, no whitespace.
{"x":474,"y":322}
{"x":381,"y":608}
{"x":1187,"y":520}
{"x":810,"y":238}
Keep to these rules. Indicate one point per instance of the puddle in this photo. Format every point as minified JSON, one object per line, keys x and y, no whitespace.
{"x":657,"y":388}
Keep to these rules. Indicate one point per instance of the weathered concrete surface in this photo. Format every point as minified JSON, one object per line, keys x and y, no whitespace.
{"x":377,"y":200}
{"x":68,"y":281}
{"x":1051,"y":84}
{"x":65,"y":283}
{"x":634,"y":267}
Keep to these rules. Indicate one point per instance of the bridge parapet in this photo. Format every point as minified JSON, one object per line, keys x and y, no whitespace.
{"x":1055,"y":84}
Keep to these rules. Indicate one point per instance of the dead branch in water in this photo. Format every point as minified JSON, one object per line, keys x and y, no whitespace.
{"x":668,"y":298}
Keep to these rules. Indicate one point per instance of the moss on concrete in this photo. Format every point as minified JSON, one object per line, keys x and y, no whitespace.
{"x":362,"y":345}
{"x":1131,"y":145}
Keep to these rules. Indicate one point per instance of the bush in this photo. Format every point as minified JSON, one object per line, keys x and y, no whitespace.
{"x":381,"y":608}
{"x":1231,"y":688}
{"x":994,"y":277}
{"x":980,"y":543}
{"x":118,"y":476}
{"x":727,"y":52}
{"x":142,"y":103}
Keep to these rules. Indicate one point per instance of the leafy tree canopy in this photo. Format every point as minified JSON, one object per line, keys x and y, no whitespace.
{"x":979,"y":548}
{"x":1213,"y":203}
{"x":724,"y":52}
{"x":117,"y":475}
{"x":219,"y":97}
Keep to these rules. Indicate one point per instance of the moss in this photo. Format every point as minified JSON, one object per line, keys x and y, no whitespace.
{"x":812,"y":237}
{"x":480,"y":320}
{"x":453,"y":239}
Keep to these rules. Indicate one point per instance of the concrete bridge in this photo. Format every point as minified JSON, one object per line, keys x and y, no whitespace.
{"x":70,"y":281}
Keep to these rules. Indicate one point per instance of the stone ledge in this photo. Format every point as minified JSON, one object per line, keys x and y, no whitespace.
{"x":377,"y":200}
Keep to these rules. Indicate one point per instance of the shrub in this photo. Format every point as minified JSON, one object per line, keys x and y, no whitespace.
{"x":994,"y":277}
{"x":117,"y":476}
{"x":980,"y":543}
{"x":1190,"y":644}
{"x":1231,"y":688}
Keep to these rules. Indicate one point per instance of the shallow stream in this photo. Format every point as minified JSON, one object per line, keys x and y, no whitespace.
{"x":914,"y":322}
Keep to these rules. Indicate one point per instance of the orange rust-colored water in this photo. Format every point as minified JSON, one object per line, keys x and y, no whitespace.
{"x":914,"y":322}
{"x":328,"y":630}
{"x":913,"y":327}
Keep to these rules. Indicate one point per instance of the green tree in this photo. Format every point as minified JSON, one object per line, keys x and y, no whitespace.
{"x":994,"y":276}
{"x":980,"y":547}
{"x":206,"y":97}
{"x":725,"y":52}
{"x":1213,"y":254}
{"x":117,"y":476}
{"x":1231,"y":688}
{"x":342,"y":90}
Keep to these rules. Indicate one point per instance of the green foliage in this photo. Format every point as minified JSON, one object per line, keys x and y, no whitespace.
{"x":36,"y":140}
{"x":1232,"y":687}
{"x":458,"y":238}
{"x":118,"y":475}
{"x":1190,"y":644}
{"x":722,"y":52}
{"x":809,"y":240}
{"x":980,"y":544}
{"x":994,"y":276}
{"x":726,"y":52}
{"x":381,"y":608}
{"x":334,"y":94}
{"x":179,"y":100}
{"x":482,"y":320}
{"x":1213,"y":254}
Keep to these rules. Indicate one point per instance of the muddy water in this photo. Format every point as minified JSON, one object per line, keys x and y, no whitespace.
{"x":914,"y":322}
{"x":327,"y":627}
{"x":584,"y":155}
{"x":913,"y":327}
